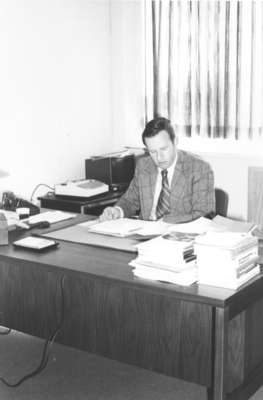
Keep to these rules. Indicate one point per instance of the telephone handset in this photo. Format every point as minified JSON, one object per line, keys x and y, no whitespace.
{"x":10,"y":202}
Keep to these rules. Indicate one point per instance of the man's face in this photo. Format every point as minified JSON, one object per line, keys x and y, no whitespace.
{"x":162,"y":149}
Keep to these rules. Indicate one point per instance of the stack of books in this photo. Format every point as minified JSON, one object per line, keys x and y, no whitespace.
{"x":226,"y":259}
{"x":167,"y":258}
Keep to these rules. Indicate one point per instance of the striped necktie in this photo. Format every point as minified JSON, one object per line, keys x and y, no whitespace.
{"x":163,"y":205}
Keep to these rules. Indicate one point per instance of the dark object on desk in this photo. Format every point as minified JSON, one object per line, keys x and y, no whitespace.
{"x":117,"y":172}
{"x":40,"y":225}
{"x":37,"y":244}
{"x":94,"y":205}
{"x":10,"y":202}
{"x":221,"y":198}
{"x":221,"y":202}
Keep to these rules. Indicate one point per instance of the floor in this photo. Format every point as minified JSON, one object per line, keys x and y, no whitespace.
{"x":75,"y":375}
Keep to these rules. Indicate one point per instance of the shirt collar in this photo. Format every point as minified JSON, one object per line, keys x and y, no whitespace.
{"x":170,"y":170}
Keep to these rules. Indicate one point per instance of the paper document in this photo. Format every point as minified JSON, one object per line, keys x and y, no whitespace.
{"x":200,"y":225}
{"x":11,"y":217}
{"x":185,"y":278}
{"x":50,"y":216}
{"x":127,"y":226}
{"x":123,"y":227}
{"x":234,"y":225}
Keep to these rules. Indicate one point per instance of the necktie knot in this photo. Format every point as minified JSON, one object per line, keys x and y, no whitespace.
{"x":164,"y":173}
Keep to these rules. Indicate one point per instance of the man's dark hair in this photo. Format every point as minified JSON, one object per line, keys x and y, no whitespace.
{"x":157,"y":125}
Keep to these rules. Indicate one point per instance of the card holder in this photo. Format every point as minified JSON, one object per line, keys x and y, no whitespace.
{"x":35,"y":243}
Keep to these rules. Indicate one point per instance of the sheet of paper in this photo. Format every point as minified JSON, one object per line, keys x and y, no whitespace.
{"x":50,"y":216}
{"x":11,"y":216}
{"x":200,"y":225}
{"x":185,"y":278}
{"x":126,"y":226}
{"x":234,"y":225}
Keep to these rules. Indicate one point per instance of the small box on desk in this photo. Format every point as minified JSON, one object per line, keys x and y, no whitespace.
{"x":117,"y":172}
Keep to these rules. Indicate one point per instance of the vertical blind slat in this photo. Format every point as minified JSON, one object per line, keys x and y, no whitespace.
{"x":206,"y":66}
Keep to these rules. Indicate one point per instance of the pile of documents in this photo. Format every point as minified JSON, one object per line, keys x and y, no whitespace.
{"x":219,"y":252}
{"x":167,"y":258}
{"x":226,"y":259}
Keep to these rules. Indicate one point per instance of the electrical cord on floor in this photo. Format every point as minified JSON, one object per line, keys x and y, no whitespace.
{"x":47,"y":345}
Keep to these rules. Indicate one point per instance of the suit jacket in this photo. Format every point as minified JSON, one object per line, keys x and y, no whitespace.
{"x":192,"y":189}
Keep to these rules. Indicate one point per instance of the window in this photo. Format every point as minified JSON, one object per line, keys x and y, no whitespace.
{"x":203,"y":67}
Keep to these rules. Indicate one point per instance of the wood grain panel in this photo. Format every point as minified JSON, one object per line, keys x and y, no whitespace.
{"x":255,"y":195}
{"x":235,"y":352}
{"x":153,"y":331}
{"x":29,"y":299}
{"x":254,"y":336}
{"x":245,"y":350}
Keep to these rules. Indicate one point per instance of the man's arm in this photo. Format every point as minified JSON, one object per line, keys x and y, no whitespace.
{"x":130,"y":201}
{"x":127,"y":205}
{"x":203,"y":193}
{"x":200,"y":181}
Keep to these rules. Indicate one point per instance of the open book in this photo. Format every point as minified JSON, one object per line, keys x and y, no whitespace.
{"x":127,"y":226}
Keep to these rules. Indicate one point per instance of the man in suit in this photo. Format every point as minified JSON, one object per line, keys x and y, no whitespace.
{"x":168,"y":184}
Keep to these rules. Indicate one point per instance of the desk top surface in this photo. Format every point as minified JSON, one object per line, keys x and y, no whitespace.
{"x":109,"y":264}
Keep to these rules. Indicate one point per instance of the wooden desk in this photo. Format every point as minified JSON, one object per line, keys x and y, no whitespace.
{"x":202,"y":334}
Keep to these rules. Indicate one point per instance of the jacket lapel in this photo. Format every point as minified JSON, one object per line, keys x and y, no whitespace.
{"x":150,"y":176}
{"x":178,"y":170}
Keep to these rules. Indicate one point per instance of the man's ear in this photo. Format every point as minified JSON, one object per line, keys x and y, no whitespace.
{"x":176,"y":140}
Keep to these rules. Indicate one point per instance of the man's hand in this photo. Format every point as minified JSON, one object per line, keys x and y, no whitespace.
{"x":110,"y":213}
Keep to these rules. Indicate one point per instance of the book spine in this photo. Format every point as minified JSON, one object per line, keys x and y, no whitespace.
{"x":243,"y":261}
{"x":244,"y":270}
{"x":242,"y":248}
{"x":230,"y":283}
{"x":232,"y":251}
{"x":220,"y":257}
{"x":229,"y":271}
{"x":177,"y":267}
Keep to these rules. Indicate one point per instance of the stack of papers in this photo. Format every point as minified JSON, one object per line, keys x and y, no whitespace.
{"x":226,"y":259}
{"x":11,"y":216}
{"x":233,"y":225}
{"x":49,"y":216}
{"x":185,"y":278}
{"x":168,"y":258}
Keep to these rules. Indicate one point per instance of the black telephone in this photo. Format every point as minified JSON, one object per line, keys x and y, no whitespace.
{"x":10,"y":202}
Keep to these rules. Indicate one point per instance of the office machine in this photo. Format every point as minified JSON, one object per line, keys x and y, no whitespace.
{"x":115,"y":171}
{"x":82,"y":188}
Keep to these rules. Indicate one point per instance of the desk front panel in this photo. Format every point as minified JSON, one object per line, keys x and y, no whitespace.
{"x":154,"y":331}
{"x":165,"y":328}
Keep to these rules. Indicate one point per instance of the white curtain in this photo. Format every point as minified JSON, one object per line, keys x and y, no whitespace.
{"x":204,"y":66}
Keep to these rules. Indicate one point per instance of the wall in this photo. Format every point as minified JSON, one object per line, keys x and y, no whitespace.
{"x":55,"y":89}
{"x":127,"y":72}
{"x":231,"y":174}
